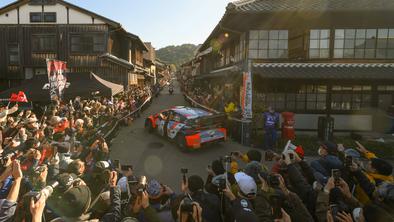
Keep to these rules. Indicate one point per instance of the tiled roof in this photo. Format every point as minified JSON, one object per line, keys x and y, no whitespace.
{"x":117,"y":60}
{"x":309,"y":5}
{"x":376,"y":71}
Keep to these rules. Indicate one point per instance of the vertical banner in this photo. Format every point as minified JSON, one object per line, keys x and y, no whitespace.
{"x":247,"y":96}
{"x":57,"y":78}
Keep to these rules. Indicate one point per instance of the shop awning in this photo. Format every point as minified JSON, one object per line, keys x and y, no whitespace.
{"x":85,"y":85}
{"x":366,"y":71}
{"x":224,"y":72}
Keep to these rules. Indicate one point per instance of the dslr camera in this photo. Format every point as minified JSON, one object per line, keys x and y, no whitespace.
{"x":187,"y":205}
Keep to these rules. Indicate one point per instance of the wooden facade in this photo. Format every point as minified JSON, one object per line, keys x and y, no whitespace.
{"x":25,"y":46}
{"x":233,"y":45}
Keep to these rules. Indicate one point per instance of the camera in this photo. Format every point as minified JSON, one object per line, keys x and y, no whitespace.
{"x":187,"y":205}
{"x":184,"y":170}
{"x":222,"y":184}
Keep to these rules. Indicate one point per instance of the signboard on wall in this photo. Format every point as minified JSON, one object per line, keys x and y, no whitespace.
{"x":246,"y":97}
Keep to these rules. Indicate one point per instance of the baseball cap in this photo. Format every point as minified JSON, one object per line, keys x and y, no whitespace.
{"x":243,"y":211}
{"x":76,"y":201}
{"x":246,"y":183}
{"x":153,"y":188}
{"x":332,"y":148}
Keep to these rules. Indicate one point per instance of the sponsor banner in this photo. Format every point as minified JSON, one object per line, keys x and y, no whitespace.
{"x":247,"y":96}
{"x":57,"y":78}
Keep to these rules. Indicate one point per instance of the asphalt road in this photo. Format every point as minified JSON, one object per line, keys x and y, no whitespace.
{"x":158,"y":158}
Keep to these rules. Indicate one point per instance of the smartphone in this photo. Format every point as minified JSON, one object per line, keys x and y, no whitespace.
{"x":336,"y":174}
{"x":291,"y":156}
{"x":276,"y":203}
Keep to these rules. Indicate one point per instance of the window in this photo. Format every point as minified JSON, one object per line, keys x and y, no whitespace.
{"x":13,"y":54}
{"x":350,"y":97}
{"x":268,"y":44}
{"x":49,"y":16}
{"x":385,"y":44}
{"x":355,"y":43}
{"x":319,"y":44}
{"x":42,"y":17}
{"x":88,"y":43}
{"x":293,"y":97}
{"x":35,"y":17}
{"x":43,"y":43}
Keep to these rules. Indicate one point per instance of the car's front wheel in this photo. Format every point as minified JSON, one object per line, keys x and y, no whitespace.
{"x":181,"y":141}
{"x":148,"y":126}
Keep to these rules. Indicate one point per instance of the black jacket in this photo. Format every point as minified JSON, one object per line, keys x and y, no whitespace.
{"x":210,"y":205}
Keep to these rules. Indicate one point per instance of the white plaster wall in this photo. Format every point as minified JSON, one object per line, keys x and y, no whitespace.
{"x":61,"y":12}
{"x":12,"y":17}
{"x":24,"y":12}
{"x":341,"y":122}
{"x":75,"y":17}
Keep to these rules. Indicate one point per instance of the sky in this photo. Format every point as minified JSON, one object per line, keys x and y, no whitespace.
{"x":162,"y":22}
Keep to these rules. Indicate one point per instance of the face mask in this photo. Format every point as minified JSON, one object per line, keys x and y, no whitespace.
{"x":357,"y":215}
{"x":320,"y":152}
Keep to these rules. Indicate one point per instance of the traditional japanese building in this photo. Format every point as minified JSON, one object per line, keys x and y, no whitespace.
{"x":32,"y":31}
{"x":311,"y":57}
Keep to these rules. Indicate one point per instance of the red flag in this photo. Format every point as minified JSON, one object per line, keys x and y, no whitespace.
{"x":22,"y":97}
{"x":14,"y":97}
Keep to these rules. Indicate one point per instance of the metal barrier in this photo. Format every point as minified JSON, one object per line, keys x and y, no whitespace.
{"x":124,"y":117}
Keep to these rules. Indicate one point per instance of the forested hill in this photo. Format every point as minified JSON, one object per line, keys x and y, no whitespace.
{"x":177,"y":54}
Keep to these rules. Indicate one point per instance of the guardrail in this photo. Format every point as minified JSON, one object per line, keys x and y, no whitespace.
{"x":110,"y":131}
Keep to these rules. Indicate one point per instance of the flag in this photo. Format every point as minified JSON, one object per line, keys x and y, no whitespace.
{"x":57,"y":78}
{"x":246,"y":97}
{"x":22,"y":97}
{"x":14,"y":97}
{"x":19,"y":98}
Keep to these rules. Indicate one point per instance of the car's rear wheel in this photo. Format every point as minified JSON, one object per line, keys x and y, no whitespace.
{"x":148,"y":126}
{"x":181,"y":141}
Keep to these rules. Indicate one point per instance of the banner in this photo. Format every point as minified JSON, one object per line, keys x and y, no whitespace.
{"x":247,"y":96}
{"x":57,"y":78}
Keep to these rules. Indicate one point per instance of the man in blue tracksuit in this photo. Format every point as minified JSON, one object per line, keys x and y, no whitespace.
{"x":271,"y":122}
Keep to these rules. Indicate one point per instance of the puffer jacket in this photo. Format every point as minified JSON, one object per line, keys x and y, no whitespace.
{"x":367,"y":182}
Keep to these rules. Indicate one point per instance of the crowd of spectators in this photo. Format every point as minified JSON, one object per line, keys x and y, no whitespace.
{"x":57,"y":167}
{"x":58,"y":149}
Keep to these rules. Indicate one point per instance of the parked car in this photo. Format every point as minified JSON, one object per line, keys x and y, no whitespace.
{"x":189,"y":127}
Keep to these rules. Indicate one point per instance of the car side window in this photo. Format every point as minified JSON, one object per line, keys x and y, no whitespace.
{"x":164,"y":115}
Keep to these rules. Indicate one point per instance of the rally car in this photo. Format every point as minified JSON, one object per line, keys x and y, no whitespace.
{"x":189,"y":127}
